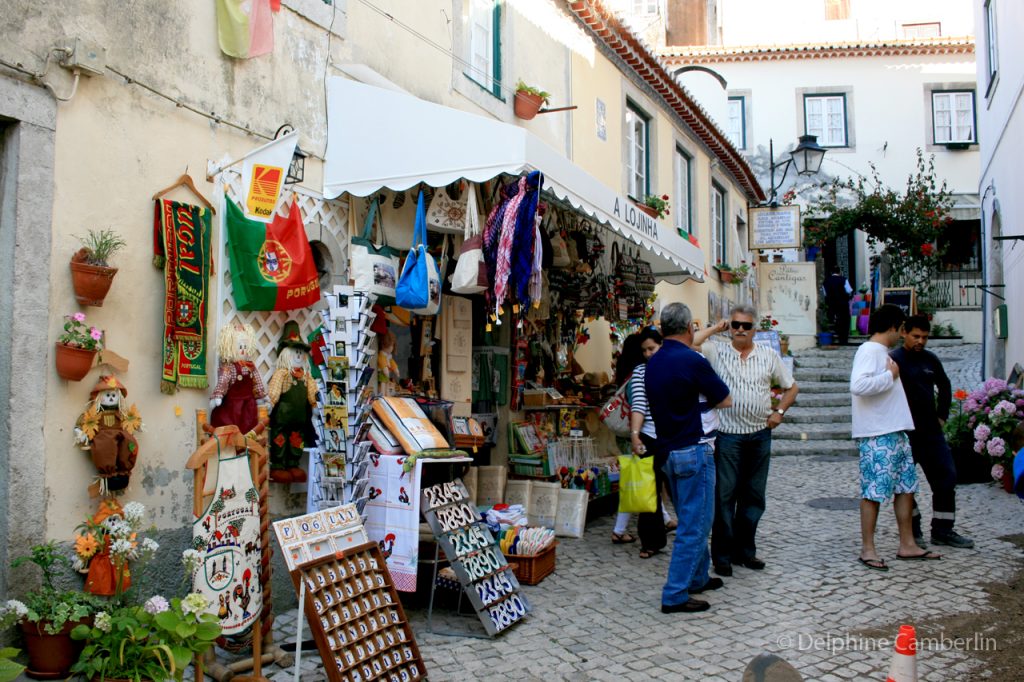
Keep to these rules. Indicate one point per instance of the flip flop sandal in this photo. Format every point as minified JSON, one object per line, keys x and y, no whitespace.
{"x":924,"y":556}
{"x":874,"y":564}
{"x":623,"y":539}
{"x":671,"y":525}
{"x":648,"y":553}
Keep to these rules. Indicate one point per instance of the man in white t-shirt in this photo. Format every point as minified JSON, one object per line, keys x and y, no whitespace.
{"x":881,"y":419}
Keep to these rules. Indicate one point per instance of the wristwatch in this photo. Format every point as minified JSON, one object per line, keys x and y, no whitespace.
{"x":634,"y":433}
{"x":782,"y":413}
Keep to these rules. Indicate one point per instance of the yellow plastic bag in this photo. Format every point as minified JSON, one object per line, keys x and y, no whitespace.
{"x":637,"y":489}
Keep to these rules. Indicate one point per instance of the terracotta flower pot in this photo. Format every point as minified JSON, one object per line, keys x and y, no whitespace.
{"x":91,"y":282}
{"x":726,"y":276}
{"x":526,"y":105}
{"x":50,"y":657}
{"x":653,"y":212}
{"x":73,"y":363}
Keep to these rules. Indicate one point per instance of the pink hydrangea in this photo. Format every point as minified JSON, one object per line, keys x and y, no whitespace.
{"x":997,"y":472}
{"x":1004,"y":406}
{"x":994,"y":385}
{"x":982,"y":433}
{"x":78,"y":317}
{"x":996,"y":447}
{"x":979,"y":446}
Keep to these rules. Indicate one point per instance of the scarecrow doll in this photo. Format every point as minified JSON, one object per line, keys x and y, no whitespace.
{"x":239,"y":384}
{"x":106,"y":429}
{"x":293,"y":393}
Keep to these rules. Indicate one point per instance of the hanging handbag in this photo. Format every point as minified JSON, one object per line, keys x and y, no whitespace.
{"x":559,"y":249}
{"x":374,"y":268}
{"x":616,"y":412}
{"x":471,"y":269}
{"x":638,"y":492}
{"x":419,"y":287}
{"x":446,"y":214}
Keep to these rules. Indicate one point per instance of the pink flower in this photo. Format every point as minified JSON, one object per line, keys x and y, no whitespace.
{"x":979,"y":446}
{"x":982,"y":433}
{"x":95,"y":333}
{"x":997,"y":472}
{"x":1004,"y":406}
{"x":996,"y":447}
{"x":78,"y":317}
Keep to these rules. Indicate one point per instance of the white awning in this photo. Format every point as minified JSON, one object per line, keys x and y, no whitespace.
{"x":381,"y":138}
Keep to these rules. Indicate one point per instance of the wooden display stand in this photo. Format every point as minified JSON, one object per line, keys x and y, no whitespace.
{"x":264,"y":649}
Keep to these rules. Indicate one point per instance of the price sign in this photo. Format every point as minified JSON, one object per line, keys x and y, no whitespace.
{"x":470,"y":547}
{"x":320,"y":534}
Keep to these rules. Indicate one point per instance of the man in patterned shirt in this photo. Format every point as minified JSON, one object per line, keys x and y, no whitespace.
{"x":744,"y":438}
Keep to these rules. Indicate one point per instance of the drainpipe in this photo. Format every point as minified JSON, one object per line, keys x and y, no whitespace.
{"x":984,"y":279}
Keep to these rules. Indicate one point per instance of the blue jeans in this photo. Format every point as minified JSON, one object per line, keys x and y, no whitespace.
{"x":742,"y":461}
{"x":691,"y":481}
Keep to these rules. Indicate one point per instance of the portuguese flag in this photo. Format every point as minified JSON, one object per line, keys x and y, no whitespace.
{"x":272,"y":265}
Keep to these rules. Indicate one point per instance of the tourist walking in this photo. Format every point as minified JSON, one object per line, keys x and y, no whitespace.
{"x":744,"y":446}
{"x":929,"y":396}
{"x":881,"y":420}
{"x":675,"y":378}
{"x":837,"y":292}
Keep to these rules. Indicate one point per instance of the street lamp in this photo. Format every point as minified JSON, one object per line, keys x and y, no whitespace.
{"x":807,"y":157}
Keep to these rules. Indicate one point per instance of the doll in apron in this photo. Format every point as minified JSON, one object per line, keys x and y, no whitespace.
{"x":239,"y":384}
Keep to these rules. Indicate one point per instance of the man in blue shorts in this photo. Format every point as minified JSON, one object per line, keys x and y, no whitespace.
{"x":881,"y":419}
{"x":676,"y":376}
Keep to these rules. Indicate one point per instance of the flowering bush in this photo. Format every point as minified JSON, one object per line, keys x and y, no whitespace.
{"x":984,"y":420}
{"x":114,"y":531}
{"x":659,"y":204}
{"x":77,"y":334}
{"x":49,"y":607}
{"x":767,"y":323}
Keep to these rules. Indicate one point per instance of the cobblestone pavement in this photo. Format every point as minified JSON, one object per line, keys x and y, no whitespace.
{"x":597,"y":617}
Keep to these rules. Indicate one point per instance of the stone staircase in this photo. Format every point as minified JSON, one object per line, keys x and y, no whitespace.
{"x":820,"y":421}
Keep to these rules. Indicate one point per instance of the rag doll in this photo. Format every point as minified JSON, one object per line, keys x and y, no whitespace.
{"x":239,"y":384}
{"x":106,"y":429}
{"x":293,"y":394}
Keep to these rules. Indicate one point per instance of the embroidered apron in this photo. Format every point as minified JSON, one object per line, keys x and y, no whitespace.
{"x":227,"y":535}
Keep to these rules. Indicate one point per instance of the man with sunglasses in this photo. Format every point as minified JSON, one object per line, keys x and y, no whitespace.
{"x":744,"y":438}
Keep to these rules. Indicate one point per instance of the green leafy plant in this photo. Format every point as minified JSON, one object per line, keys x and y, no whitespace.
{"x":767,"y":323}
{"x":658,"y":203}
{"x":156,"y":641}
{"x":49,"y":607}
{"x":99,"y":245}
{"x":740,"y":272}
{"x":530,"y":90}
{"x":77,"y":334}
{"x":9,"y":668}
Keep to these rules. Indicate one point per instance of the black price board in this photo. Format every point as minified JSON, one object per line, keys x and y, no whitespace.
{"x":474,"y":555}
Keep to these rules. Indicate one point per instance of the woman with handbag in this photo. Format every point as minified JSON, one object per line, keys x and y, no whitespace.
{"x":629,"y":358}
{"x":651,"y":527}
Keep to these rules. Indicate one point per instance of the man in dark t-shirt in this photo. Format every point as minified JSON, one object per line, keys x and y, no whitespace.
{"x":675,"y":378}
{"x":837,"y":297}
{"x":929,"y":396}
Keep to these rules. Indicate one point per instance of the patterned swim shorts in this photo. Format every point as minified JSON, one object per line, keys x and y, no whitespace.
{"x":886,"y":466}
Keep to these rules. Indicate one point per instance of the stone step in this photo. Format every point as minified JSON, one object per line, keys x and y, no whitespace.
{"x":808,"y":387}
{"x":833,"y":374}
{"x":816,"y":400}
{"x":813,"y":431}
{"x":783,"y":448}
{"x":818,"y":414}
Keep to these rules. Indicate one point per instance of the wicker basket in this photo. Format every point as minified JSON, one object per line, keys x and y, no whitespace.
{"x":530,"y":569}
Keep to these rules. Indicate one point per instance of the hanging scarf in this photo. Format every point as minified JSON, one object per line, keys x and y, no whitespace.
{"x":181,"y":245}
{"x":525,"y":242}
{"x":503,"y":260}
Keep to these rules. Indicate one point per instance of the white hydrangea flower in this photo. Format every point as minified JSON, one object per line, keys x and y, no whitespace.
{"x":150,"y":545}
{"x":192,"y":559}
{"x":156,"y":604}
{"x":103,"y":622}
{"x":194,"y":603}
{"x":134,"y":512}
{"x":16,"y":607}
{"x":122,"y":548}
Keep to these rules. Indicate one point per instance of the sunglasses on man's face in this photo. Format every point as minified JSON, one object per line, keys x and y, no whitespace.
{"x":736,"y":324}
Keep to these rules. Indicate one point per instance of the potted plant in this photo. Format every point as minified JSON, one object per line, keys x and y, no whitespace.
{"x":784,"y":343}
{"x":724,"y":272}
{"x":48,"y":615}
{"x":984,"y":421}
{"x":528,"y":100}
{"x":155,"y":641}
{"x":655,"y":206}
{"x":740,"y":272}
{"x":77,"y":347}
{"x":91,"y":274}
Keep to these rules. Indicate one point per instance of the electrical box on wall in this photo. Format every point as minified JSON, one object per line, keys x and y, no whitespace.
{"x":1001,"y":321}
{"x":90,"y":59}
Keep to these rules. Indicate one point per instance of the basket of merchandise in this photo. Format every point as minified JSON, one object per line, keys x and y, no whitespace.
{"x":537,"y":561}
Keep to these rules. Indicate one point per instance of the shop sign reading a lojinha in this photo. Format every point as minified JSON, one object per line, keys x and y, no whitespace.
{"x":635,"y":218}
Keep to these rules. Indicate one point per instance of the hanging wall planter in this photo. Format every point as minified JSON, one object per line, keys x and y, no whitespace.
{"x":73,"y":363}
{"x":648,"y":210}
{"x":91,"y":282}
{"x":528,"y":101}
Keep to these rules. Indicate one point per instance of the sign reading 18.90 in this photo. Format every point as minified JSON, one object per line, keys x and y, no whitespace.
{"x":471,"y":549}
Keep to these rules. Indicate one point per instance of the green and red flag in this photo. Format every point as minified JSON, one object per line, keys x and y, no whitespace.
{"x":272,"y":266}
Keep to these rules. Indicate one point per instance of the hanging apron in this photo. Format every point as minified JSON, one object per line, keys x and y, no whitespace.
{"x":227,"y":535}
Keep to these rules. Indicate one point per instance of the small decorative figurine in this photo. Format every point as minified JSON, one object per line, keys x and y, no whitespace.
{"x":387,"y":368}
{"x":239,"y":384}
{"x":293,"y":394}
{"x":107,"y":430}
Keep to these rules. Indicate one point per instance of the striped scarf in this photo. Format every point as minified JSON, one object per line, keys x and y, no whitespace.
{"x":503,"y":259}
{"x":525,"y":241}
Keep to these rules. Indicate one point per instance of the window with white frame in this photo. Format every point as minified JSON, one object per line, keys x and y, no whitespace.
{"x":992,"y":52}
{"x":825,"y":116}
{"x":682,"y":190}
{"x":645,"y":6}
{"x":718,"y":224}
{"x":485,"y":44}
{"x":637,"y":164}
{"x":925,"y":30}
{"x":737,"y":132}
{"x":953,"y":117}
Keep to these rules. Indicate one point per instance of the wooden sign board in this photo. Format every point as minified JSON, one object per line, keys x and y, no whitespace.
{"x":903,"y":298}
{"x":356,"y":618}
{"x":469,"y":546}
{"x":774,"y":228}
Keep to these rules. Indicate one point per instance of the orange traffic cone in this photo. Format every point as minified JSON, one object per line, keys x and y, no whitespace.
{"x":904,"y":656}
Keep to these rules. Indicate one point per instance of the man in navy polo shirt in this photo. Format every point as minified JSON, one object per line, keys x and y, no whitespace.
{"x":676,"y":377}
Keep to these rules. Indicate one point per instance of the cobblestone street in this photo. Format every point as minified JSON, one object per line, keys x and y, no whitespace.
{"x":597,"y":617}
